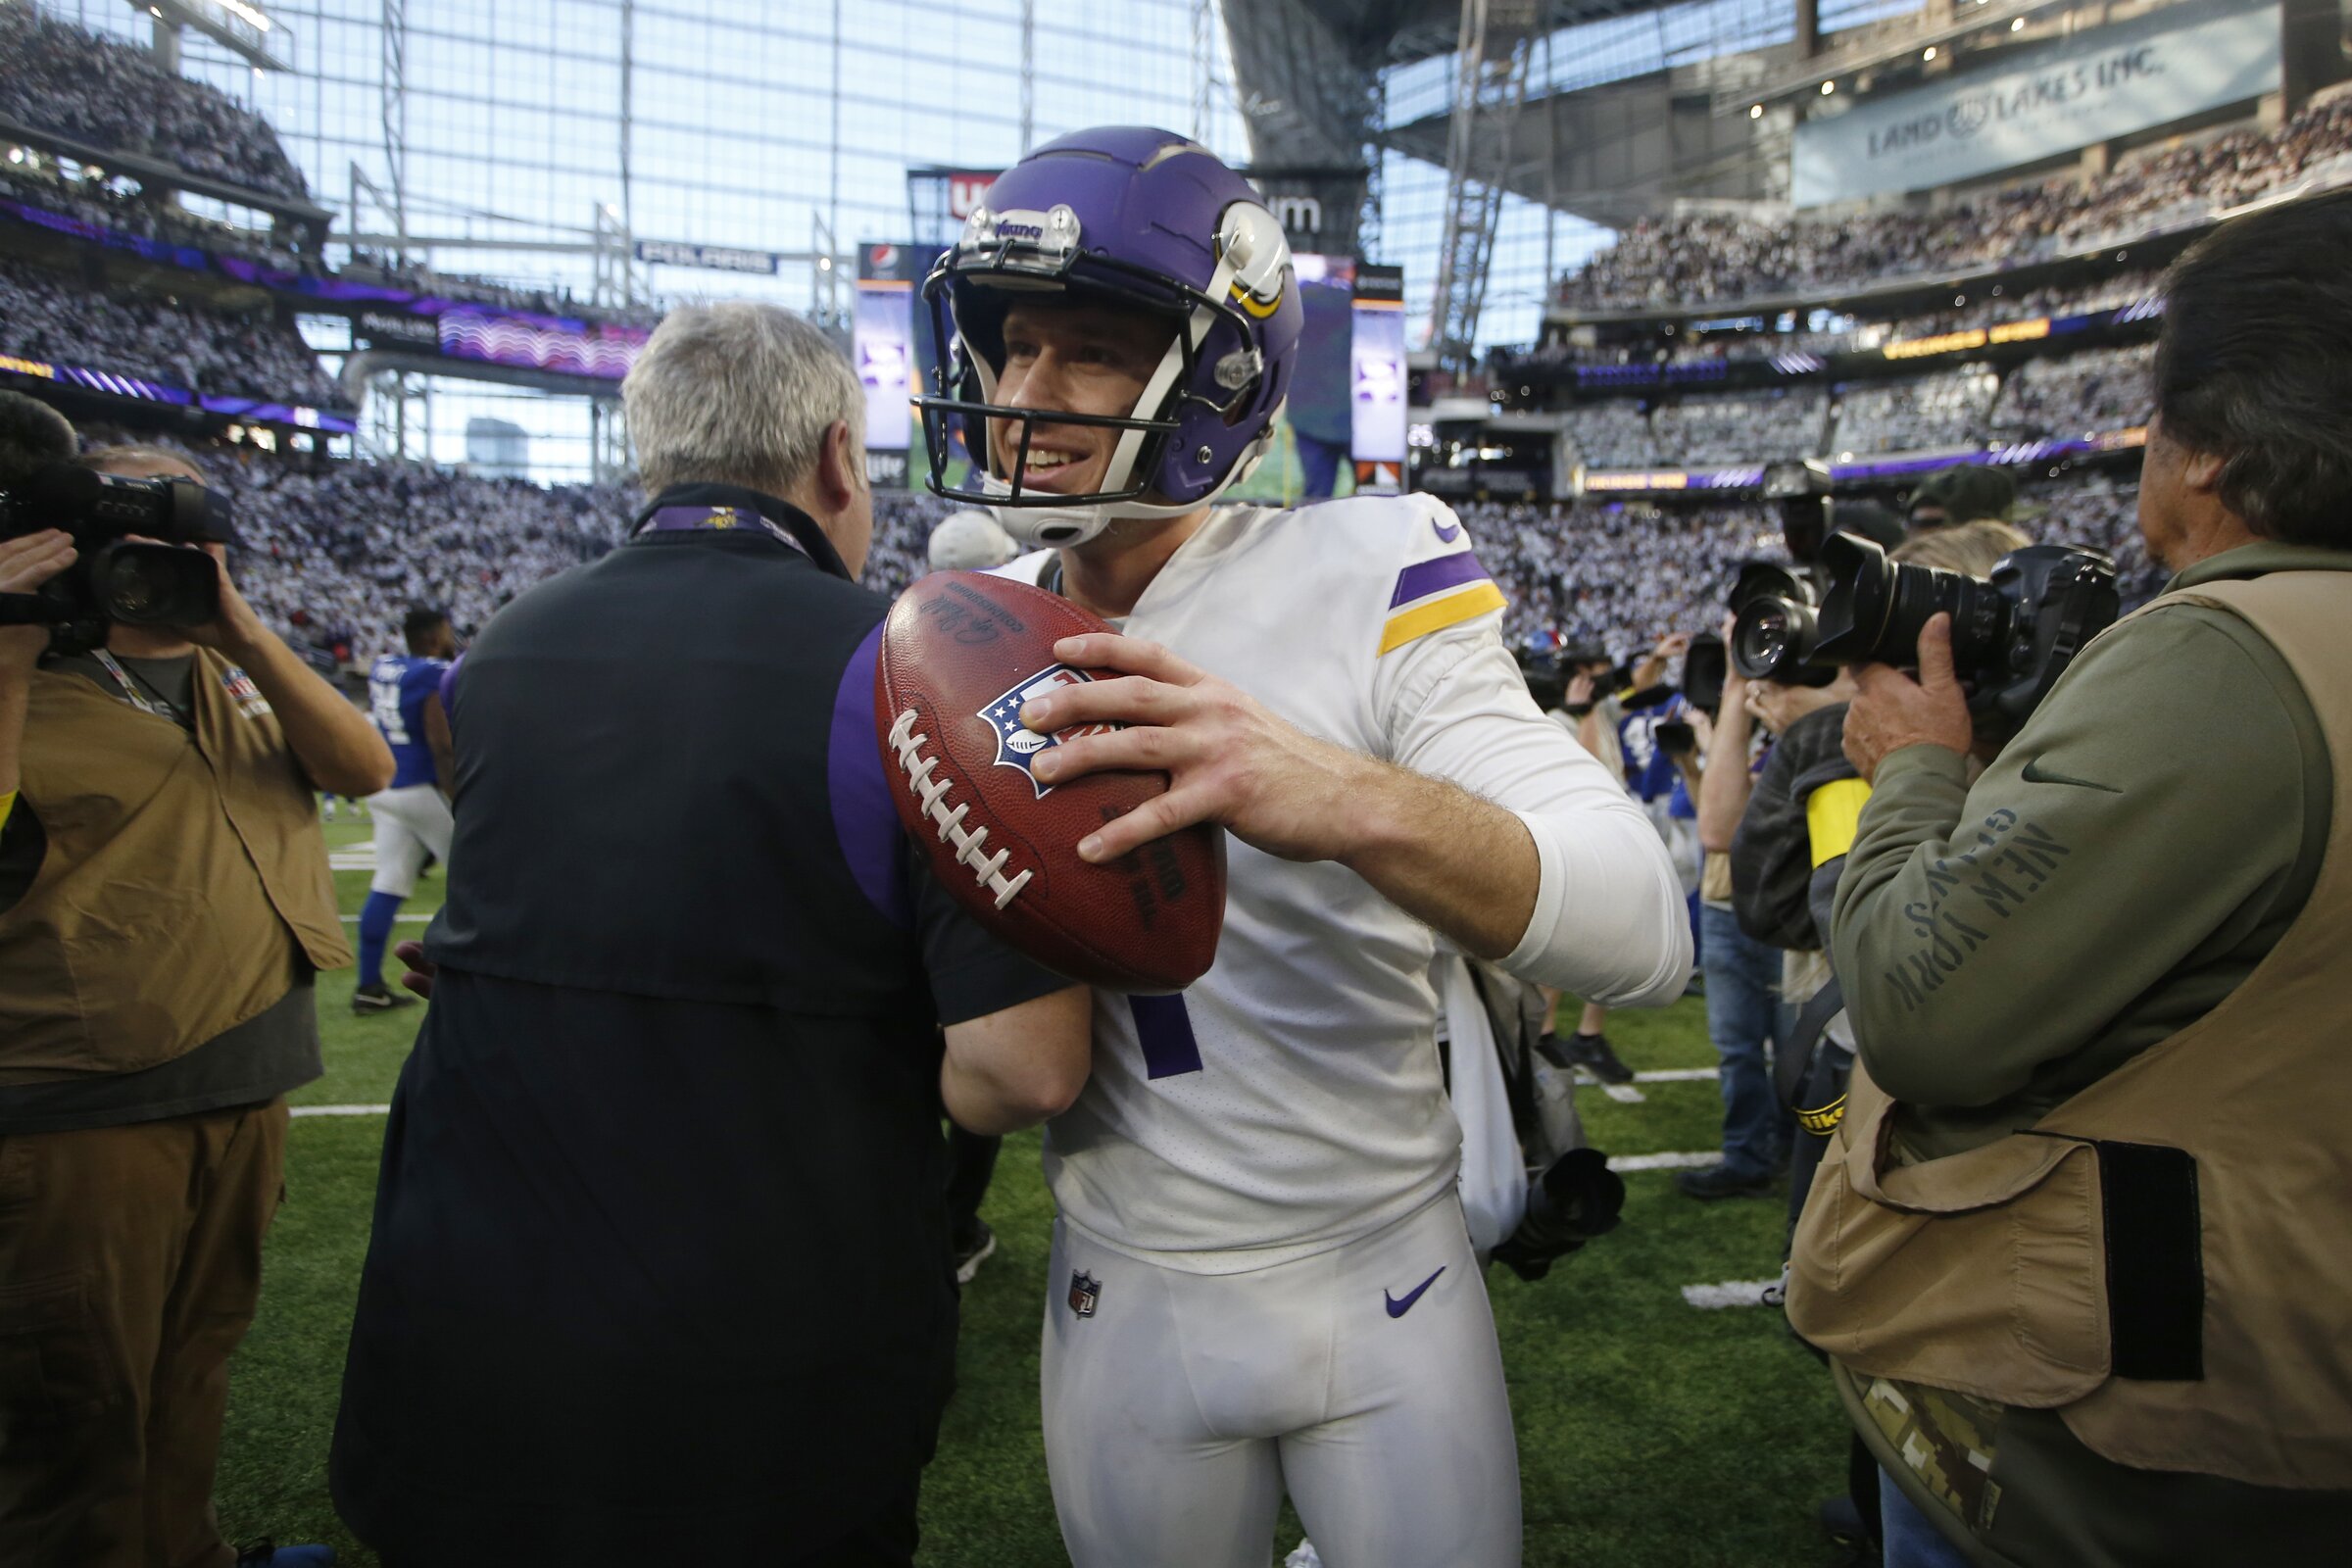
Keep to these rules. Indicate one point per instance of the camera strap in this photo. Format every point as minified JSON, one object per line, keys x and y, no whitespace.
{"x":158,"y":705}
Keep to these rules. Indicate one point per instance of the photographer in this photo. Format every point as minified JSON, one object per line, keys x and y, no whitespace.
{"x":2078,"y":1249}
{"x":164,"y":902}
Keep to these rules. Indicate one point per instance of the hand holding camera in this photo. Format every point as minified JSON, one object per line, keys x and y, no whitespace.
{"x":26,"y":563}
{"x":1892,"y":711}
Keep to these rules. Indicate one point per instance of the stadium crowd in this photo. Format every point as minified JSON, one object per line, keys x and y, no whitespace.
{"x":111,"y":94}
{"x":2098,"y":389}
{"x":1709,"y":257}
{"x":1941,"y":409}
{"x":45,"y":315}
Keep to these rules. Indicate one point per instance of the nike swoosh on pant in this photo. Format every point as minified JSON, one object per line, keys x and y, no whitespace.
{"x":1399,"y":1309}
{"x":2035,"y":773}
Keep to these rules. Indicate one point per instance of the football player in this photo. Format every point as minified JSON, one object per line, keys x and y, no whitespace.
{"x":1260,"y":1278}
{"x":412,"y":815}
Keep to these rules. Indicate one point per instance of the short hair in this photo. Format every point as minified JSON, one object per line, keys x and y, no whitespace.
{"x":133,"y":459}
{"x":418,"y":626}
{"x":1969,"y":548}
{"x":31,"y":434}
{"x":2255,"y":366}
{"x":737,"y":393}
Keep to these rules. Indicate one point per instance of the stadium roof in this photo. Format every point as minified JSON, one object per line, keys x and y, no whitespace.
{"x":1385,"y":32}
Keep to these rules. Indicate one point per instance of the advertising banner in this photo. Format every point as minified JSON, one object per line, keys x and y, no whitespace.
{"x":1377,"y":377}
{"x":883,"y":340}
{"x":710,"y":258}
{"x":2097,"y":86}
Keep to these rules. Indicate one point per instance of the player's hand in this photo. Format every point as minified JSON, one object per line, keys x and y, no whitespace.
{"x":26,"y":564}
{"x":1894,"y":711}
{"x":1228,"y":760}
{"x":1673,"y":645}
{"x":419,"y":977}
{"x":1579,"y":690}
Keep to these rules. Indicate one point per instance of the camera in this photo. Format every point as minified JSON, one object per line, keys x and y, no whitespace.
{"x":2013,"y":633}
{"x":1575,"y":1200}
{"x":116,"y":577}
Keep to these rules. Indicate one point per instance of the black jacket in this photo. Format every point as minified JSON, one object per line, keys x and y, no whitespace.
{"x":1772,"y":876}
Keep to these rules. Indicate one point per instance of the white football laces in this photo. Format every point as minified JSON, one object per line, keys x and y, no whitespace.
{"x":970,"y":843}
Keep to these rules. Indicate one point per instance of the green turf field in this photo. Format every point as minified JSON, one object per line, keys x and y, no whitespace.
{"x":1652,"y":1434}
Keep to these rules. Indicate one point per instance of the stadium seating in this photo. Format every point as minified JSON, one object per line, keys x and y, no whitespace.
{"x":2061,"y":399}
{"x":1741,"y":426}
{"x":1710,"y":258}
{"x":111,"y":94}
{"x":1940,"y":409}
{"x":47,"y":314}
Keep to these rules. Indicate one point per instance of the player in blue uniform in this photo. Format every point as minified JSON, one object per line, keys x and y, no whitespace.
{"x":412,"y":815}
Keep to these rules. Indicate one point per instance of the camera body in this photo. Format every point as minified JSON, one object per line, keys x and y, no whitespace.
{"x":117,"y":577}
{"x":2013,"y":633}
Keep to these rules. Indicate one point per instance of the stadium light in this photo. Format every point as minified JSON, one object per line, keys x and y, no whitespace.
{"x":1755,"y":110}
{"x":1828,"y":87}
{"x":1931,"y":53}
{"x":2017,"y":25}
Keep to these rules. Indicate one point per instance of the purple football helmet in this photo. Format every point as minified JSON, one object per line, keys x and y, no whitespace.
{"x":1139,"y":218}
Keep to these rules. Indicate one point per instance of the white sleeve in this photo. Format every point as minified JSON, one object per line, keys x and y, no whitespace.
{"x":1610,"y":924}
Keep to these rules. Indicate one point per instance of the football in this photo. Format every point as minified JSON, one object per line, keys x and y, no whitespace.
{"x":960,"y":654}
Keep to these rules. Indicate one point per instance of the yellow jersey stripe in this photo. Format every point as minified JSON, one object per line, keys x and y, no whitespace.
{"x":1832,"y":817}
{"x":1437,"y":614}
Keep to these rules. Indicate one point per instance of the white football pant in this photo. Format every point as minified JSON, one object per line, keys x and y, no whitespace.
{"x":409,"y":821}
{"x":1365,"y":1381}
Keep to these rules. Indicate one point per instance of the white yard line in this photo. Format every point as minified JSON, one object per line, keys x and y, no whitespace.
{"x":337,"y":1110}
{"x":1734,"y":1293}
{"x":1678,"y":1075}
{"x":1680,"y":1161}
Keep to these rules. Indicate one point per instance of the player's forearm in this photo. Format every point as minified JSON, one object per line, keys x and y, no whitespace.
{"x":336,"y":743}
{"x":1462,"y":865}
{"x":1016,"y":1069}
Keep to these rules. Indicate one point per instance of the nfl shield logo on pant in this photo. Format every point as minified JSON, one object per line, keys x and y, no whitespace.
{"x":1085,"y":1291}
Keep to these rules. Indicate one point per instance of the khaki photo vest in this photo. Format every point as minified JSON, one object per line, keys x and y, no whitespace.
{"x":181,"y":879}
{"x":2165,"y":1258}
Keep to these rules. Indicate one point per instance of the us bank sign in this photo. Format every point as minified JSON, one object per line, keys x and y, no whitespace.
{"x":2110,"y":82}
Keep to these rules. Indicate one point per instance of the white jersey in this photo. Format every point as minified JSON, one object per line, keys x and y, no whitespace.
{"x":1291,"y":1098}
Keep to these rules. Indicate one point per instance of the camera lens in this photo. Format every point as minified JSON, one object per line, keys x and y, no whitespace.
{"x":156,"y":585}
{"x":1772,"y":637}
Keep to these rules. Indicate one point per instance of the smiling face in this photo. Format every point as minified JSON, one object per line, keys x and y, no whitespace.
{"x":1072,"y":357}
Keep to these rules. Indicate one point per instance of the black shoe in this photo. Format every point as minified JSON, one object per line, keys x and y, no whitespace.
{"x":971,"y":1250}
{"x":1721,"y":1181}
{"x":379,"y":999}
{"x":1593,"y":1053}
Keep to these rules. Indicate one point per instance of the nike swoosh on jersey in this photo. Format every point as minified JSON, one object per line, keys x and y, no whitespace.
{"x":2035,"y":773}
{"x":1448,"y":532}
{"x":1399,"y":1309}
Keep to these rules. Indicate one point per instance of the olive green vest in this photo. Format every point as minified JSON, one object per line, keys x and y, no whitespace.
{"x":183,"y":877}
{"x":2162,"y":1258}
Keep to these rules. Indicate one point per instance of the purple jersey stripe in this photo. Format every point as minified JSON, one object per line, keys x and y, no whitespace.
{"x":1424,"y":577}
{"x":1165,"y":1031}
{"x":864,"y":821}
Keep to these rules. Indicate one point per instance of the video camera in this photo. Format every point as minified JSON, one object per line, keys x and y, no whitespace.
{"x":116,"y":577}
{"x":2013,"y":634}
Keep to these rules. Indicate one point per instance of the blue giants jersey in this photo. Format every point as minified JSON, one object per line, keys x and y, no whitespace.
{"x":397,"y":688}
{"x":1648,"y":771}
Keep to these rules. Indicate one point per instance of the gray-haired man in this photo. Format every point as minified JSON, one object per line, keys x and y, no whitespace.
{"x":659,"y":1271}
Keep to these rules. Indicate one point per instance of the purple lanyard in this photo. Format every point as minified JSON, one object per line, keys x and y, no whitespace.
{"x":687,"y":519}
